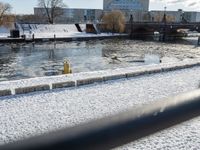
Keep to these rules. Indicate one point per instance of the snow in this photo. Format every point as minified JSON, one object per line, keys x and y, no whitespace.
{"x":148,"y":59}
{"x":83,"y":27}
{"x":33,"y":114}
{"x":83,"y":75}
{"x":59,"y":30}
{"x":43,"y":31}
{"x":47,"y":30}
{"x":4,"y":32}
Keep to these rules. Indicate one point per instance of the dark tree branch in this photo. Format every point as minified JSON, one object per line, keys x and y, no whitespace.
{"x":53,"y":9}
{"x":4,"y":9}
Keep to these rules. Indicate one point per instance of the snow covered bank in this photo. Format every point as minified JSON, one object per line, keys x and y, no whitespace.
{"x":51,"y":31}
{"x":47,"y":30}
{"x":32,"y":114}
{"x":79,"y":79}
{"x":56,"y":30}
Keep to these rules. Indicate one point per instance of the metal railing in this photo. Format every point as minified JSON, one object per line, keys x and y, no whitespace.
{"x":114,"y":131}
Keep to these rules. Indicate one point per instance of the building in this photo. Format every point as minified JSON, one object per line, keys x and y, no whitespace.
{"x":138,"y":16}
{"x":191,"y":16}
{"x":175,"y":16}
{"x":125,"y":5}
{"x":137,"y":8}
{"x":171,"y":16}
{"x":157,"y":16}
{"x":73,"y":15}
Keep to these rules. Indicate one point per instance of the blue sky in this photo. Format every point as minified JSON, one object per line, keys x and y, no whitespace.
{"x":26,"y":6}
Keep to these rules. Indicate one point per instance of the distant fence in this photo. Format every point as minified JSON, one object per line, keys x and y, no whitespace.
{"x":114,"y":131}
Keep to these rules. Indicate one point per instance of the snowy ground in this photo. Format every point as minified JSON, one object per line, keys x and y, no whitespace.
{"x":49,"y":31}
{"x":32,"y":114}
{"x":59,"y":30}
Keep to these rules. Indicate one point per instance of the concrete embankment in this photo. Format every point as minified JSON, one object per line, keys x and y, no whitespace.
{"x":80,"y":79}
{"x":65,"y":39}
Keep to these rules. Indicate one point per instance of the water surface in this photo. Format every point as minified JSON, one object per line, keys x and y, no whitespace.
{"x":19,"y":61}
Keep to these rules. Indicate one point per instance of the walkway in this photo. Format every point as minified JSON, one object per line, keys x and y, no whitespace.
{"x":36,"y":113}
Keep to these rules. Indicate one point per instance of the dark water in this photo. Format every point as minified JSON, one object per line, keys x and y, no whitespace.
{"x":19,"y":61}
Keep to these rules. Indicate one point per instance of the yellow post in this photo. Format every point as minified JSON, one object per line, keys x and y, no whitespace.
{"x":67,"y":69}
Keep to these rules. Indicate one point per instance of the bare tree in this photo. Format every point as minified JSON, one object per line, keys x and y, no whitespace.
{"x":5,"y":8}
{"x":114,"y":21}
{"x":53,"y":8}
{"x":8,"y":20}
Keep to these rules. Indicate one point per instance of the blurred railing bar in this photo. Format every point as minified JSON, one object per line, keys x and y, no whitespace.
{"x":122,"y":128}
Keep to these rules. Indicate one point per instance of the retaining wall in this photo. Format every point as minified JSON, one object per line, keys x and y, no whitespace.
{"x":99,"y":78}
{"x":64,"y":39}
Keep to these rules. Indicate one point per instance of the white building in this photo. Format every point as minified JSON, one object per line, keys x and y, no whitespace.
{"x":175,"y":16}
{"x":192,"y":16}
{"x":73,"y":15}
{"x":124,"y":5}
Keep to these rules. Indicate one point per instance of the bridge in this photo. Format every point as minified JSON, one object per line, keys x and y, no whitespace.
{"x":165,"y":29}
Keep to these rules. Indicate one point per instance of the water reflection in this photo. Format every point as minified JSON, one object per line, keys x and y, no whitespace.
{"x":43,"y":59}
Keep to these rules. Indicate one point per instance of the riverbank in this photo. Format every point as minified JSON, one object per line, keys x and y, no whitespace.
{"x":25,"y":33}
{"x":84,"y":37}
{"x":79,"y":79}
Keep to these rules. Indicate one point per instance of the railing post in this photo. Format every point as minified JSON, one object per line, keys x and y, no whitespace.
{"x":198,"y":42}
{"x":33,"y":37}
{"x":54,"y":37}
{"x":131,"y":23}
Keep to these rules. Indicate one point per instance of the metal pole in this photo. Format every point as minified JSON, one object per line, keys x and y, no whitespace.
{"x":119,"y":129}
{"x":165,"y":24}
{"x":54,"y":36}
{"x":131,"y":23}
{"x":33,"y":37}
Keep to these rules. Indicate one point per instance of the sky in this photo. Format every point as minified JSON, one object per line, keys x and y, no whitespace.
{"x":26,"y":6}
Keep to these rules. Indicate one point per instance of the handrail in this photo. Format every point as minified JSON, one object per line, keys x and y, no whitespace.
{"x":119,"y":129}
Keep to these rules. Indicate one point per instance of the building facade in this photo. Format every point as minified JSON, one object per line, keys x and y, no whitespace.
{"x":191,"y":16}
{"x":171,"y":16}
{"x":175,"y":16}
{"x":139,"y":12}
{"x":71,"y":15}
{"x":125,"y":5}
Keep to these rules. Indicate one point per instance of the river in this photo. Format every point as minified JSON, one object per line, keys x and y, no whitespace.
{"x":22,"y":60}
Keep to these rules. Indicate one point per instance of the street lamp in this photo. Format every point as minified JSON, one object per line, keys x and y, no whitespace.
{"x":131,"y":23}
{"x":165,"y":16}
{"x":165,"y":8}
{"x":165,"y":24}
